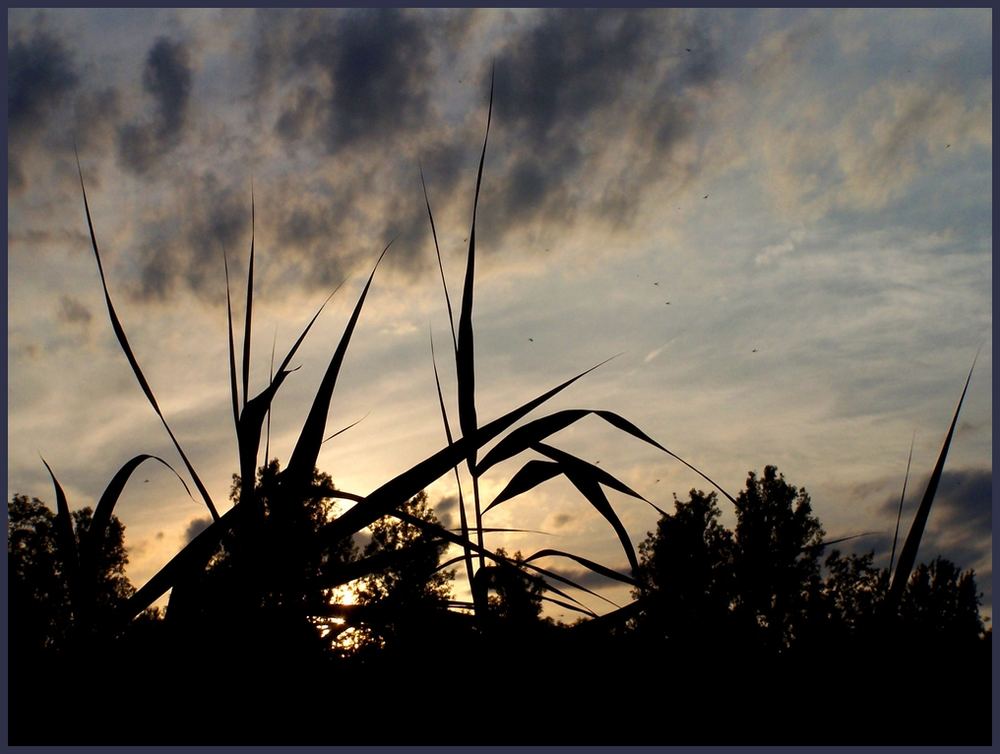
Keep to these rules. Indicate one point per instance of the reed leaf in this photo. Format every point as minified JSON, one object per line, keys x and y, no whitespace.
{"x":65,"y":539}
{"x":591,"y":490}
{"x":908,"y":555}
{"x":462,"y":517}
{"x":233,"y":389}
{"x":248,"y":315}
{"x":902,"y":497}
{"x":133,"y":362}
{"x":402,"y":487}
{"x":303,"y":460}
{"x":532,"y":474}
{"x":568,"y":461}
{"x":595,"y":567}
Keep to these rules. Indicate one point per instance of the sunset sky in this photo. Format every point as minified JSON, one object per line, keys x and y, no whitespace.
{"x":781,"y":219}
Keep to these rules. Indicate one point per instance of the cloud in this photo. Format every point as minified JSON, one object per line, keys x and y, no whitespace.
{"x":166,"y":78}
{"x":195,"y":527}
{"x":73,"y":311}
{"x":366,"y":74}
{"x":40,"y":74}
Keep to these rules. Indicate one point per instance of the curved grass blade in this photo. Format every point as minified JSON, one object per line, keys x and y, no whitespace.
{"x":591,"y":490}
{"x":827,"y":542}
{"x":64,"y":532}
{"x":462,"y":517}
{"x":352,"y":424}
{"x":303,"y":460}
{"x":532,"y":474}
{"x":524,"y":437}
{"x":902,"y":496}
{"x":614,"y":618}
{"x":908,"y":555}
{"x":579,"y":466}
{"x":109,"y":499}
{"x":493,"y":529}
{"x":249,"y":311}
{"x":402,"y":487}
{"x":232,"y":350}
{"x":585,"y":610}
{"x":123,"y":342}
{"x":437,"y":249}
{"x":626,"y":426}
{"x":595,"y":567}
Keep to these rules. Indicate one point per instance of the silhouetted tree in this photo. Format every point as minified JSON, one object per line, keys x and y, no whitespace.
{"x":776,"y":562}
{"x":941,"y":604}
{"x":686,"y":578}
{"x":43,"y":615}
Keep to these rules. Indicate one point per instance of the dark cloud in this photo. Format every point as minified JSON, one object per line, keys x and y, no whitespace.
{"x":73,"y":311}
{"x":561,"y":520}
{"x":195,"y":527}
{"x":40,"y":78}
{"x":40,"y":74}
{"x":369,"y":73}
{"x":184,"y":247}
{"x":166,"y":78}
{"x":964,"y":499}
{"x":567,"y":91}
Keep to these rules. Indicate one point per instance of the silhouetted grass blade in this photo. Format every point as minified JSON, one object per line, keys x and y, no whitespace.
{"x":908,"y":555}
{"x":303,"y":460}
{"x":249,"y":312}
{"x":532,"y":474}
{"x":586,"y":563}
{"x":404,"y":486}
{"x":64,"y":532}
{"x":463,"y":518}
{"x":524,"y":437}
{"x":902,"y":497}
{"x":437,"y":250}
{"x":596,"y":473}
{"x":232,"y":351}
{"x":123,"y":342}
{"x":591,"y":490}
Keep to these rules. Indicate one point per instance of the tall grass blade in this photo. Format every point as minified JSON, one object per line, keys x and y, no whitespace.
{"x":463,"y":518}
{"x":465,"y":355}
{"x":908,"y":555}
{"x":303,"y":460}
{"x":524,"y":437}
{"x":349,"y":426}
{"x":596,"y":473}
{"x":270,"y":379}
{"x":249,"y":312}
{"x":123,"y":342}
{"x":64,"y":532}
{"x":402,"y":487}
{"x":437,"y":250}
{"x":627,"y":426}
{"x":591,"y":490}
{"x":233,"y":389}
{"x":532,"y":474}
{"x":902,"y":497}
{"x":590,"y":564}
{"x":109,"y":499}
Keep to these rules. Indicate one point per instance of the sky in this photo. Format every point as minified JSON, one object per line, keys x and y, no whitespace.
{"x":781,"y":221}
